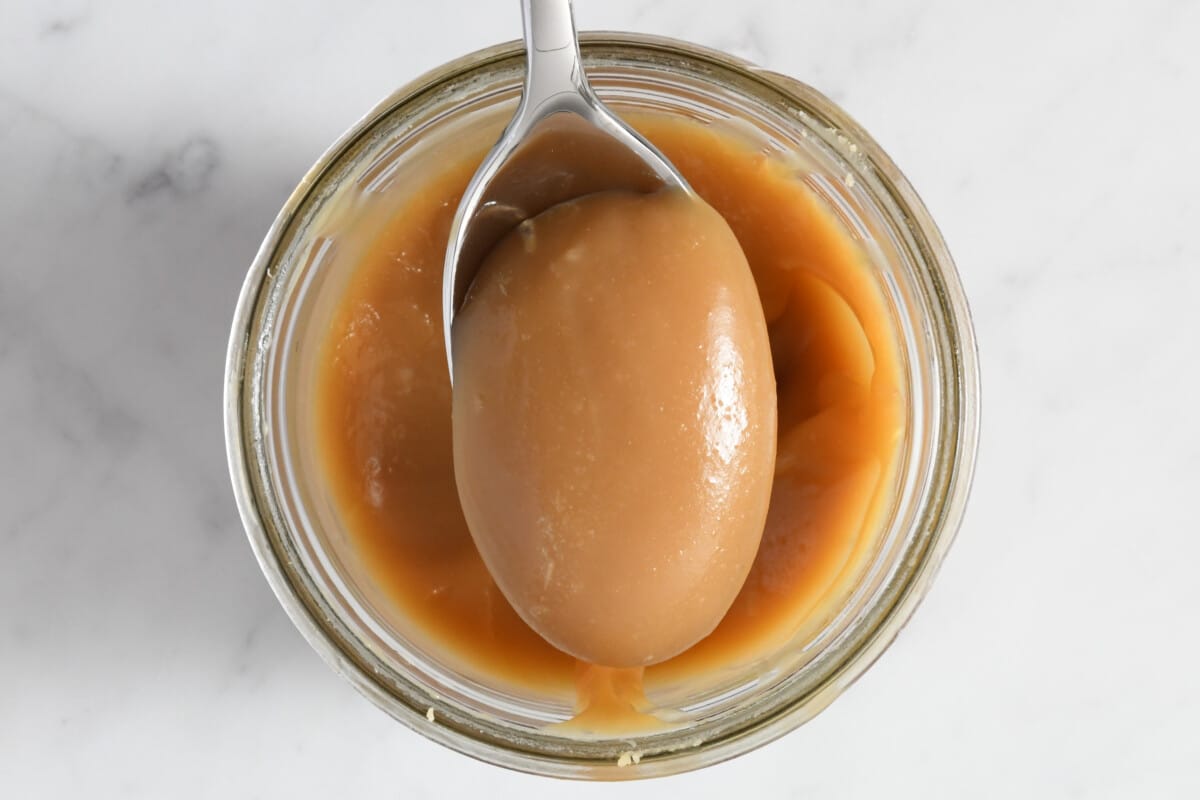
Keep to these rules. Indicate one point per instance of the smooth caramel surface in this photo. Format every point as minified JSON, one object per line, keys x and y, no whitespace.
{"x":383,"y":418}
{"x":614,"y":422}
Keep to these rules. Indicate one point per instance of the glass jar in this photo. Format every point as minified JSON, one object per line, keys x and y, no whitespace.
{"x":297,"y":538}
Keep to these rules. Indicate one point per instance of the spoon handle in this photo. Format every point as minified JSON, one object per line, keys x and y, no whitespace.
{"x":555,"y":68}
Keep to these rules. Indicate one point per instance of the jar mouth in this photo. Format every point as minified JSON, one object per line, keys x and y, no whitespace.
{"x":945,"y":457}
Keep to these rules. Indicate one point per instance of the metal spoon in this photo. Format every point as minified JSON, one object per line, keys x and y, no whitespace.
{"x":562,"y":143}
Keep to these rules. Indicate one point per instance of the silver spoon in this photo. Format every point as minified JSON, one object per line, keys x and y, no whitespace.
{"x":562,"y":143}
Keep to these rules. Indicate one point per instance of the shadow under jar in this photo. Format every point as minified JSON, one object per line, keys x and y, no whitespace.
{"x":306,"y":547}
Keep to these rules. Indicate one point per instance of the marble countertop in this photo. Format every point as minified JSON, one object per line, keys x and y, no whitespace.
{"x":145,"y":148}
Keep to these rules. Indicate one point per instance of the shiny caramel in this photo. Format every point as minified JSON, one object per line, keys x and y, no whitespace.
{"x":383,"y":419}
{"x":614,"y":422}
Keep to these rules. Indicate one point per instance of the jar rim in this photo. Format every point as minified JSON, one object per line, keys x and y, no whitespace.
{"x":955,"y":458}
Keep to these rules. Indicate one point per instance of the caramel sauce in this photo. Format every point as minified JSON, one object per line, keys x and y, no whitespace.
{"x":383,"y":422}
{"x":615,"y":422}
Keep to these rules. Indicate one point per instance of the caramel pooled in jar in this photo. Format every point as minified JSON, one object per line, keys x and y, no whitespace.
{"x":383,"y":430}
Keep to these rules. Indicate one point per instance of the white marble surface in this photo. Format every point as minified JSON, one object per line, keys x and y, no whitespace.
{"x":146,"y":146}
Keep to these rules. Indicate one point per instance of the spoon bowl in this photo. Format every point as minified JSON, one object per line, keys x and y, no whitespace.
{"x":562,"y":143}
